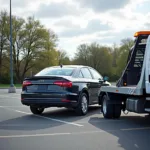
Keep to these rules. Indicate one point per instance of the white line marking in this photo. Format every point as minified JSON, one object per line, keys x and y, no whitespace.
{"x":99,"y":121}
{"x":12,"y":106}
{"x":57,"y":134}
{"x":51,"y":134}
{"x":34,"y":135}
{"x":70,"y":133}
{"x":3,"y":96}
{"x":136,"y":145}
{"x":24,"y":125}
{"x":57,"y":120}
{"x":130,"y":129}
{"x":24,"y":112}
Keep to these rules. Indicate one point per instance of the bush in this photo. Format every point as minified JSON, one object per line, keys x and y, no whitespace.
{"x":5,"y":79}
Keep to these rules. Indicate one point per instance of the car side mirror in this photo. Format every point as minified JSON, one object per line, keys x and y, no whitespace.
{"x":106,"y":78}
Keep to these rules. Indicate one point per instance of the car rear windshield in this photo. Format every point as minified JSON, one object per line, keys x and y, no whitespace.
{"x":56,"y":71}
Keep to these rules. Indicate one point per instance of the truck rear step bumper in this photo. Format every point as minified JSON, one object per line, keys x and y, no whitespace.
{"x":147,"y":109}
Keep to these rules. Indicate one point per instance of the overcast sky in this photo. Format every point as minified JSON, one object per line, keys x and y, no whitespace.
{"x":86,"y":21}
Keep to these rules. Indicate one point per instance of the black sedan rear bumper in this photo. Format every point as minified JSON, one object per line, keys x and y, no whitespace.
{"x":49,"y":100}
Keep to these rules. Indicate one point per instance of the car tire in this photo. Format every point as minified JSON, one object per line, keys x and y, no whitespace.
{"x":107,"y":108}
{"x":117,"y":111}
{"x":82,"y":107}
{"x":36,"y":110}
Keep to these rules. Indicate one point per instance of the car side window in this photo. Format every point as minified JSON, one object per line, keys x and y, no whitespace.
{"x":80,"y":75}
{"x":95,"y":74}
{"x":86,"y":73}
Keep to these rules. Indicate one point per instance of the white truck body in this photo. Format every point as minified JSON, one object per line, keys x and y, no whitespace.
{"x":144,"y":79}
{"x":135,"y":96}
{"x":147,"y":66}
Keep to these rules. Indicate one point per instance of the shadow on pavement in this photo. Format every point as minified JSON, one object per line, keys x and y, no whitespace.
{"x":32,"y":122}
{"x":28,"y":123}
{"x":129,"y":130}
{"x":70,"y":114}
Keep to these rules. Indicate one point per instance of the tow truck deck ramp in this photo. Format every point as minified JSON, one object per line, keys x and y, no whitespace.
{"x":129,"y":90}
{"x":132,"y":91}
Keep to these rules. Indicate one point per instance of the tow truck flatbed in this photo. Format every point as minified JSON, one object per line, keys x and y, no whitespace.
{"x":128,"y":90}
{"x":132,"y":91}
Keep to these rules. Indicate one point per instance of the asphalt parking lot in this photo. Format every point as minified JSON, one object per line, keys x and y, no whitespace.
{"x":60,"y":128}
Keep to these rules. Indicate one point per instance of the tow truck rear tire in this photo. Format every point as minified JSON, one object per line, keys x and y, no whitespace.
{"x":117,"y":111}
{"x":107,"y":108}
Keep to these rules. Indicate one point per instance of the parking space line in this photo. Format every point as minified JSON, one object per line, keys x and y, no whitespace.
{"x":33,"y":135}
{"x":57,"y":120}
{"x":99,"y":121}
{"x":4,"y":96}
{"x":131,"y":129}
{"x":54,"y":134}
{"x":136,"y":145}
{"x":23,"y":112}
{"x":11,"y":106}
{"x":70,"y":133}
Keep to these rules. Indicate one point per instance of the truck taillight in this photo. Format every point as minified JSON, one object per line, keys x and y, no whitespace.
{"x":63,"y":83}
{"x":26,"y":83}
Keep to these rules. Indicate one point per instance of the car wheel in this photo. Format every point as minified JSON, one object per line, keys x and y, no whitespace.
{"x":107,"y":108}
{"x":36,"y":110}
{"x":82,"y":108}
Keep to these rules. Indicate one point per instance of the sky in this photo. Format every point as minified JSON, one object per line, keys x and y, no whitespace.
{"x":85,"y":21}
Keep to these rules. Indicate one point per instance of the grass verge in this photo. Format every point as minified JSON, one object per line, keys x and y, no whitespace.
{"x":8,"y":85}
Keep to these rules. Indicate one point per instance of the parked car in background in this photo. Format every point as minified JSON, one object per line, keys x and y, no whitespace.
{"x":67,"y":86}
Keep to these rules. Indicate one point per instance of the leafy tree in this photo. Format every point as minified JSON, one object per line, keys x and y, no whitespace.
{"x":94,"y":55}
{"x":62,"y":58}
{"x":126,"y":45}
{"x":82,"y":55}
{"x":3,"y":38}
{"x":31,"y":41}
{"x":99,"y":55}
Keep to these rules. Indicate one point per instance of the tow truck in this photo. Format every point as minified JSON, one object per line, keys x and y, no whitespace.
{"x":132,"y":91}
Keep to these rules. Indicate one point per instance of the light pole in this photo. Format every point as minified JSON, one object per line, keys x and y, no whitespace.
{"x":12,"y":88}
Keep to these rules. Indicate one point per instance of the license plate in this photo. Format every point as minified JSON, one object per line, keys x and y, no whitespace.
{"x":42,"y":87}
{"x":32,"y":88}
{"x":54,"y":88}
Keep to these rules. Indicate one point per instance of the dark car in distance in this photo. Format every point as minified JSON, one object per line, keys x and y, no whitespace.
{"x":67,"y":86}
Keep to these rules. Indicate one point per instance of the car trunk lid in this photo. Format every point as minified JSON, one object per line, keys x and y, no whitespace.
{"x":46,"y":84}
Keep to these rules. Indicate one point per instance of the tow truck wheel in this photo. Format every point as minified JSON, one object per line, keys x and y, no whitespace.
{"x":36,"y":110}
{"x":117,"y":111}
{"x":107,"y":108}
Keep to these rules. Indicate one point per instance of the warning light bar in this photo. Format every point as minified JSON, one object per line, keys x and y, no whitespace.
{"x":141,"y":33}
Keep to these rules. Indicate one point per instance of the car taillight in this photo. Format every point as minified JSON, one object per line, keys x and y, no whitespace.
{"x":65,"y":100}
{"x":63,"y":83}
{"x":26,"y":83}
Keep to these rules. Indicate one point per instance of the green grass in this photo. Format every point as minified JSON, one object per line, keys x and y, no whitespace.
{"x":8,"y":85}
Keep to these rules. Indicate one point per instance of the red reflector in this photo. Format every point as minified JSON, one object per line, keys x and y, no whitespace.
{"x":65,"y":100}
{"x":63,"y":83}
{"x":26,"y":83}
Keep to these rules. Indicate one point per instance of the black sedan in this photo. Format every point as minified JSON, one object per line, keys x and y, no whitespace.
{"x":62,"y":86}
